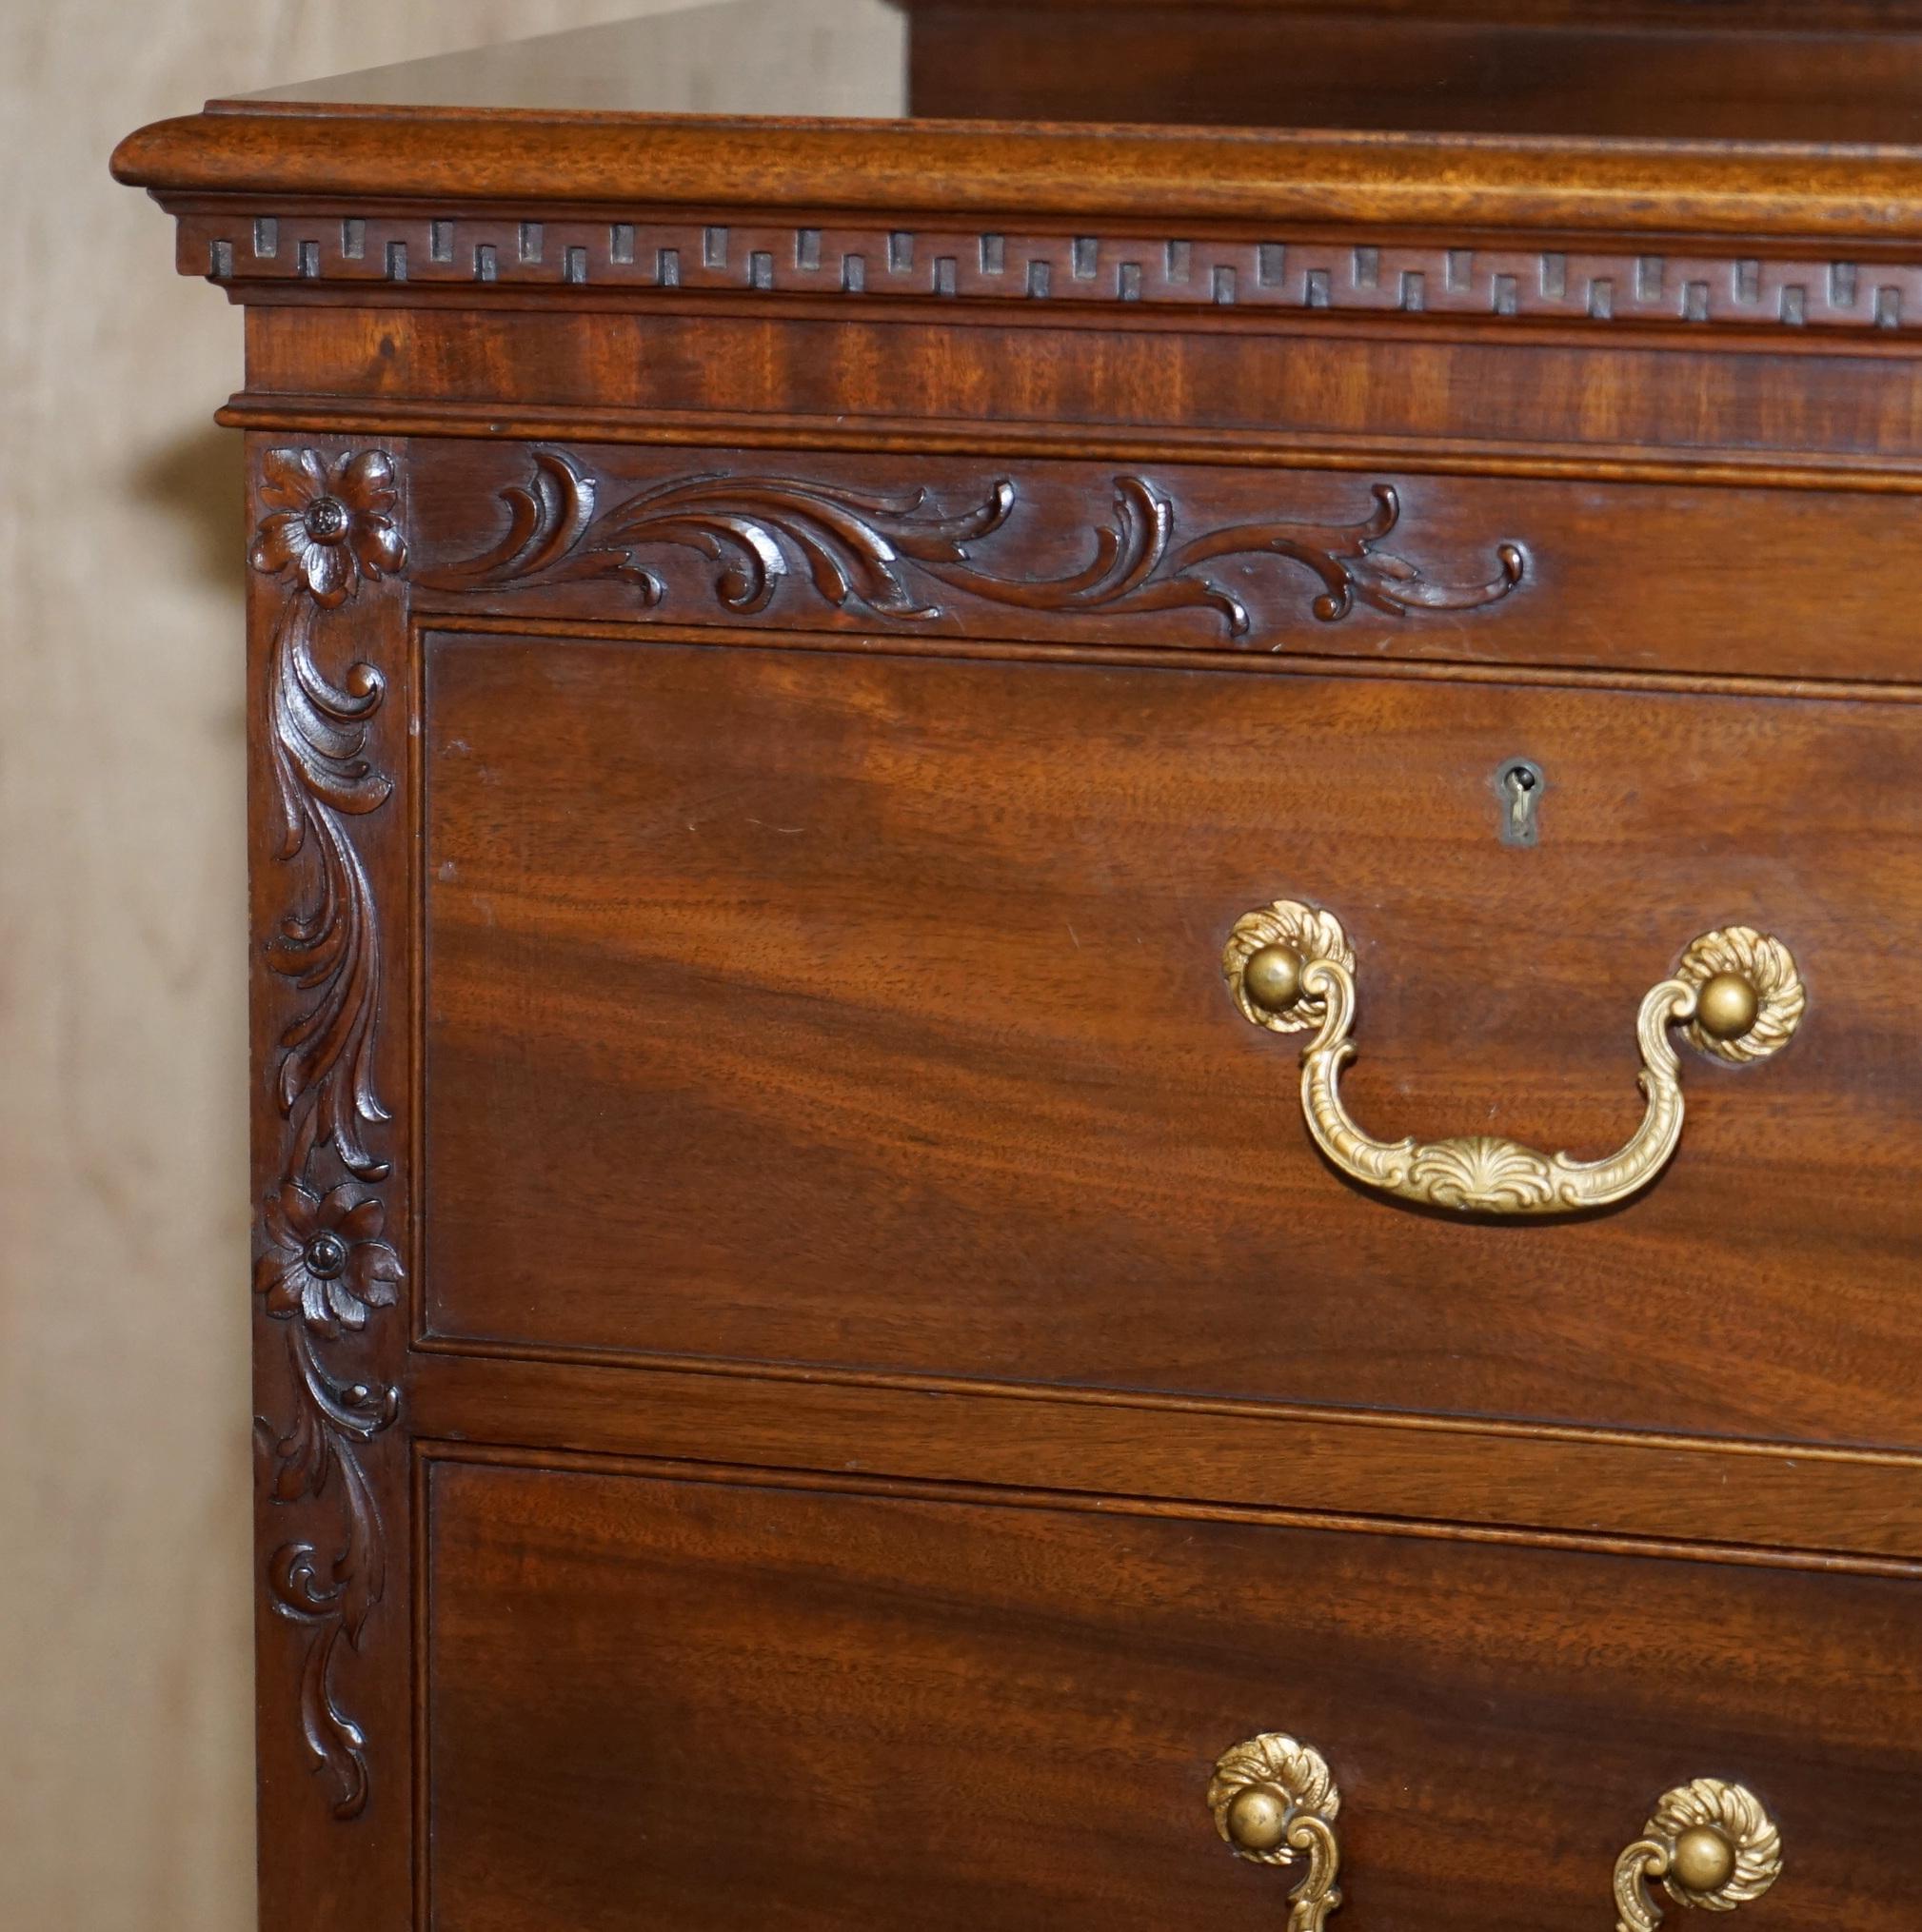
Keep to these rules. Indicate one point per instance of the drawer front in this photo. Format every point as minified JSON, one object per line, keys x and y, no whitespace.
{"x":686,"y":1704}
{"x":868,"y":1011}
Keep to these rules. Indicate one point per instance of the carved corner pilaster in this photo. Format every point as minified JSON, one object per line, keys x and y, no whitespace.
{"x":329,"y":866}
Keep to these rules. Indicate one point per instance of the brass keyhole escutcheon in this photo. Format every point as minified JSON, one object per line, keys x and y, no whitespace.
{"x":1520,"y":785}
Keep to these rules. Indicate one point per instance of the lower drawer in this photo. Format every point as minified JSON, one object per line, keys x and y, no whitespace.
{"x":660,"y":1700}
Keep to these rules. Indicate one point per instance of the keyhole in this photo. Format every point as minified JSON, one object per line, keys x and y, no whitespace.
{"x":1519,"y":785}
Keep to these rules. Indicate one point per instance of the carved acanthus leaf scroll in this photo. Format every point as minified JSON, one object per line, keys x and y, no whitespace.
{"x":893,"y":554}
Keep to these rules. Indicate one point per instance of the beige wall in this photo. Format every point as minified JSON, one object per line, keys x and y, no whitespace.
{"x":124,"y":1582}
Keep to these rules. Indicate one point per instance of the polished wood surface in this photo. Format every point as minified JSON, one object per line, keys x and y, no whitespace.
{"x":1774,"y":73}
{"x":681,"y":1703}
{"x":1340,"y":392}
{"x":782,"y":643}
{"x":869,"y":1012}
{"x":1627,"y":187}
{"x":1633,"y":1492}
{"x":1653,"y":121}
{"x":1678,"y":72}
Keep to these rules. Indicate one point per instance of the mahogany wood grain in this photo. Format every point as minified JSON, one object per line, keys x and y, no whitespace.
{"x":660,"y":1702}
{"x":1736,"y":21}
{"x":1662,"y":72}
{"x":1730,"y":1500}
{"x":590,"y":373}
{"x":868,"y":1012}
{"x":1571,"y":186}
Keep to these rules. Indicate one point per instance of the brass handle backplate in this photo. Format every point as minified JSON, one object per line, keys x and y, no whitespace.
{"x":1709,"y":1842}
{"x":1273,"y":1800}
{"x":1289,"y":967}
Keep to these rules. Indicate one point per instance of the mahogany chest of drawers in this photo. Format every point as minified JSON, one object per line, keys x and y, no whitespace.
{"x":878,"y":641}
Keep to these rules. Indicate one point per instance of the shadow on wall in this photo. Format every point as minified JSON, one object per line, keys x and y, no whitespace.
{"x":201,"y":481}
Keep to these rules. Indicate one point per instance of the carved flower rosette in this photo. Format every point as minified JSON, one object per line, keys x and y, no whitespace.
{"x":323,"y":1267}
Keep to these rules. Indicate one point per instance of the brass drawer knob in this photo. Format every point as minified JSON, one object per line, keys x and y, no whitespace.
{"x":1289,"y":967}
{"x":1709,"y":1842}
{"x":1273,"y":1800}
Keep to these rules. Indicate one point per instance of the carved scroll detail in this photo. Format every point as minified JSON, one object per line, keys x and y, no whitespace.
{"x":893,"y":554}
{"x":323,"y":1266}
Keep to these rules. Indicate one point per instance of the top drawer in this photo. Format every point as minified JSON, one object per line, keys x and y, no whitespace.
{"x":869,"y":1010}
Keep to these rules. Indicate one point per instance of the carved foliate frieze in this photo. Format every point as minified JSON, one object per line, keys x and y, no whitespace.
{"x":908,"y":555}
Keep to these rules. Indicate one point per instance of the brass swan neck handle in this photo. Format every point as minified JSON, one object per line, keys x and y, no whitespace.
{"x":1289,"y":967}
{"x":1711,"y":1843}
